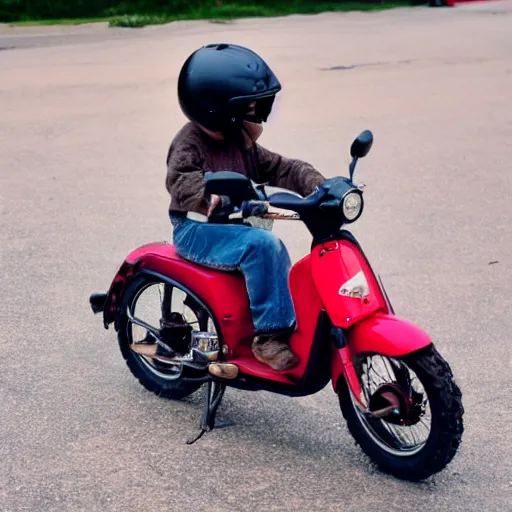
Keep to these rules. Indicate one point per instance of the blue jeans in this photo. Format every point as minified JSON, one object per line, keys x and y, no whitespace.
{"x":258,"y":254}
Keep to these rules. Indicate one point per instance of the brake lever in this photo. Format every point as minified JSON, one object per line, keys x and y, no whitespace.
{"x":260,"y":190}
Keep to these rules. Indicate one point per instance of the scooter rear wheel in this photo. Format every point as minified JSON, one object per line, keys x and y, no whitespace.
{"x":418,"y":435}
{"x":147,"y":300}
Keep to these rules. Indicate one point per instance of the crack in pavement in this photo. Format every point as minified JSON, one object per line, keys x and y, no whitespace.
{"x":442,"y":60}
{"x":368,"y":64}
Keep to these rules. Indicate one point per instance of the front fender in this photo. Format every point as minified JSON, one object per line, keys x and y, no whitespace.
{"x":387,"y":335}
{"x":380,"y":334}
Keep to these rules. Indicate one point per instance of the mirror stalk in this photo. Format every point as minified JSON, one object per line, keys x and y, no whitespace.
{"x":352,"y":167}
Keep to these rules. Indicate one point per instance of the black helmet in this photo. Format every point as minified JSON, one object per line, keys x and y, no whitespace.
{"x":219,"y":81}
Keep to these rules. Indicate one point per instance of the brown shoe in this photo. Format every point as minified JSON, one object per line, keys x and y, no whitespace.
{"x":274,"y":351}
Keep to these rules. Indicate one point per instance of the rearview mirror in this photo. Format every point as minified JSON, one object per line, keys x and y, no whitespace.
{"x":232,"y":184}
{"x":362,"y":145}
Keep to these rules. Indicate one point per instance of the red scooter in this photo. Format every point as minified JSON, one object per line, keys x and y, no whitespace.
{"x":395,"y":391}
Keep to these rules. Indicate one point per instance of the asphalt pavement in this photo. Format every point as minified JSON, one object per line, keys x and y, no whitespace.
{"x":86,"y":117}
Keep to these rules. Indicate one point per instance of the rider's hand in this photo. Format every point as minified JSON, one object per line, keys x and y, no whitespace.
{"x":253,"y":209}
{"x":215,"y":200}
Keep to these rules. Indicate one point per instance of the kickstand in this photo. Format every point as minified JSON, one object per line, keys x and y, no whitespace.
{"x":213,"y":394}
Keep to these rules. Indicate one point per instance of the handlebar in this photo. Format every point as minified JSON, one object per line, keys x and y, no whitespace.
{"x":286,"y":206}
{"x":321,"y":211}
{"x":271,"y":212}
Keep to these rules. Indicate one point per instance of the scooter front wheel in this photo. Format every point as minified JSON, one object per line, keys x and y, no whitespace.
{"x":412,"y":425}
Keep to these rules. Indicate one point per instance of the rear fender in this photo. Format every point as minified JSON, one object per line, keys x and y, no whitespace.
{"x":224,"y":293}
{"x":380,"y":334}
{"x":124,"y":276}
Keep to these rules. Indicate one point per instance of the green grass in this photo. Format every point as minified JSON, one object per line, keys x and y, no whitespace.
{"x":229,"y":12}
{"x":223,"y":13}
{"x":139,"y":20}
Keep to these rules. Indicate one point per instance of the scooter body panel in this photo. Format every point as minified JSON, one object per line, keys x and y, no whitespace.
{"x":315,"y":283}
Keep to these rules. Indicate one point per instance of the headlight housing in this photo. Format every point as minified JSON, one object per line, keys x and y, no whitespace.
{"x":352,"y":205}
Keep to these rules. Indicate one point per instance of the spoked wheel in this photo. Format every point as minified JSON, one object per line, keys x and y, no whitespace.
{"x":147,"y":304}
{"x":412,"y":425}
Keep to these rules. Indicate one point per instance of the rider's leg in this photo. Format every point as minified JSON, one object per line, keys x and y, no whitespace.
{"x":264,"y":261}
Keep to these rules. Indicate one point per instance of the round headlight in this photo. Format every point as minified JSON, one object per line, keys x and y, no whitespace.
{"x":352,"y":206}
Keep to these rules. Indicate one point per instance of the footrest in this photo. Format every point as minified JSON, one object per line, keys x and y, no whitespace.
{"x":223,"y":370}
{"x":251,"y":366}
{"x":145,"y":349}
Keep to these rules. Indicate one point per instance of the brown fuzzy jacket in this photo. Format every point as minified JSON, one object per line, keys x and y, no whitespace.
{"x":192,"y":153}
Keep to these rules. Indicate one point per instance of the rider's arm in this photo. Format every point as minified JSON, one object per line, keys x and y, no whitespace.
{"x":296,"y":175}
{"x":185,"y":176}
